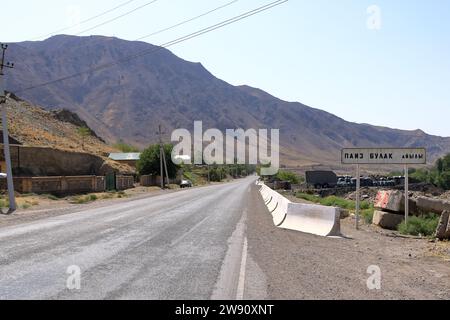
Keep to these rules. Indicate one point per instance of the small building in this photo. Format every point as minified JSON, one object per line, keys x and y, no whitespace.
{"x":129,"y":158}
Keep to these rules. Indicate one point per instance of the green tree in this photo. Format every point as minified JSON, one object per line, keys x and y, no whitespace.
{"x":149,"y":162}
{"x":440,"y":165}
{"x":288,"y":176}
{"x":446,"y":163}
{"x":83,"y":132}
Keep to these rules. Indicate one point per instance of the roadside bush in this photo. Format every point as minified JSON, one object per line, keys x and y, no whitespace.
{"x":26,"y":206}
{"x":4,"y":203}
{"x":124,"y":147}
{"x":333,"y":201}
{"x":420,"y":226}
{"x":367,"y":214}
{"x":288,"y":176}
{"x":52,"y":197}
{"x":308,"y":197}
{"x":85,"y":199}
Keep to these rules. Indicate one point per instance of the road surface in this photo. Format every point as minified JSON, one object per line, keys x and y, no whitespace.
{"x":215,"y":242}
{"x":183,"y":245}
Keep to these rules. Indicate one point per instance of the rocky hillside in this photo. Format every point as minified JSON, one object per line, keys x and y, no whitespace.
{"x":33,"y":126}
{"x":129,"y":100}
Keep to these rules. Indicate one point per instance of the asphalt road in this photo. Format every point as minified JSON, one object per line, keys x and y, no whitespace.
{"x":215,"y":242}
{"x":184,"y":245}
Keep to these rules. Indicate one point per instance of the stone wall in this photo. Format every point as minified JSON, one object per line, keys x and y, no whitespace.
{"x":38,"y":161}
{"x":57,"y":185}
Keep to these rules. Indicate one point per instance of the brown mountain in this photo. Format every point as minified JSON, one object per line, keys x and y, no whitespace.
{"x":129,"y":100}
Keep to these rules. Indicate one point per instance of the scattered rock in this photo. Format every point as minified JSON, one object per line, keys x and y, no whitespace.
{"x":344,"y":213}
{"x":390,"y":200}
{"x":387,"y":220}
{"x":432,"y":205}
{"x":443,"y":229}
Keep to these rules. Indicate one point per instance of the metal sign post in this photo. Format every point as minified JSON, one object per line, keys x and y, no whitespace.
{"x":358,"y":195}
{"x":406,"y":193}
{"x":383,"y":156}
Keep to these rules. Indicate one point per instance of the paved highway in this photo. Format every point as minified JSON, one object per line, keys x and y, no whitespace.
{"x":184,"y":245}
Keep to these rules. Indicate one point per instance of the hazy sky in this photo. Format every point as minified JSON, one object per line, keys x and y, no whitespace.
{"x":387,"y":64}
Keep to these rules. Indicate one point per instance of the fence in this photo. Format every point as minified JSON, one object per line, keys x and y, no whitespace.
{"x":61,"y":185}
{"x":150,"y":181}
{"x":124,"y":182}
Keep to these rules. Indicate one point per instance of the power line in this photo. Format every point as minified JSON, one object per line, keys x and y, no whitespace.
{"x":171,"y":27}
{"x":165,"y":45}
{"x":116,"y":18}
{"x":186,"y":21}
{"x":84,"y":21}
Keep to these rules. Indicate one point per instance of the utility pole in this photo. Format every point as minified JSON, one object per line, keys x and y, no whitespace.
{"x":7,"y":153}
{"x":162,"y":159}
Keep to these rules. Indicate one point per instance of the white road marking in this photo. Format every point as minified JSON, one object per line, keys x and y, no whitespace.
{"x":241,"y":284}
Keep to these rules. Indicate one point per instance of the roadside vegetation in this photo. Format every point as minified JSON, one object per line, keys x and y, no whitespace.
{"x":367,"y":208}
{"x":439,"y":175}
{"x":199,"y":175}
{"x":23,"y":202}
{"x":94,"y":197}
{"x":424,"y":226}
{"x":83,"y":132}
{"x":149,"y":164}
{"x":289,"y":176}
{"x":124,"y":147}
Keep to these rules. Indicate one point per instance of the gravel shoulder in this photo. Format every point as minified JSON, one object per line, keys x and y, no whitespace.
{"x":292,"y":265}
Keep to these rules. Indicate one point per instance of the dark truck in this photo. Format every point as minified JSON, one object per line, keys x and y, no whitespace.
{"x":321,"y":179}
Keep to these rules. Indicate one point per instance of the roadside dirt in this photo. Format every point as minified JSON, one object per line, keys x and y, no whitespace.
{"x":43,"y":206}
{"x":302,"y":266}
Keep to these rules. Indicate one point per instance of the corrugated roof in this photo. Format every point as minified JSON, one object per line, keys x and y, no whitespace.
{"x":124,"y":156}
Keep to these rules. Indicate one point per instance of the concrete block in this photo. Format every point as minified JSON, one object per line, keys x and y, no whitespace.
{"x":432,"y":205}
{"x":443,"y":229}
{"x":387,"y":220}
{"x":390,"y":200}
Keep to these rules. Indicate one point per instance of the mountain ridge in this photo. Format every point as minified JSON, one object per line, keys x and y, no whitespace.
{"x":130,"y":100}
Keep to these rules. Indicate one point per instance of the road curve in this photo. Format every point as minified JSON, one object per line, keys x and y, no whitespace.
{"x":183,"y":245}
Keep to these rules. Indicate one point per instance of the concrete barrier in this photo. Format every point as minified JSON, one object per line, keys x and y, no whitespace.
{"x":279,"y":215}
{"x":314,"y":219}
{"x":308,"y":218}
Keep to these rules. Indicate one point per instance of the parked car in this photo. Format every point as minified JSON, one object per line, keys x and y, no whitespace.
{"x":344,"y":182}
{"x":185,"y":184}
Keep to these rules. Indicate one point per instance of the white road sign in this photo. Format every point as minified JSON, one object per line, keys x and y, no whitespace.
{"x":384,"y":156}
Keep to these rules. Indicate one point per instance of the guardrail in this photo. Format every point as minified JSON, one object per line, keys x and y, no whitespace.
{"x":308,"y":218}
